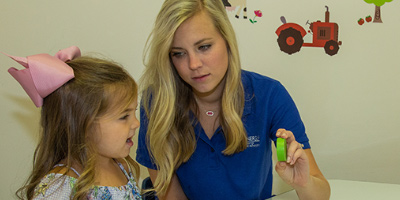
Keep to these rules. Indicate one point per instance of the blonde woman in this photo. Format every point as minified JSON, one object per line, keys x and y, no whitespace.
{"x":206,"y":125}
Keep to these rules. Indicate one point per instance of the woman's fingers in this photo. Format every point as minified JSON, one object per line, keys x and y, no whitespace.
{"x":297,"y":153}
{"x":294,"y":149}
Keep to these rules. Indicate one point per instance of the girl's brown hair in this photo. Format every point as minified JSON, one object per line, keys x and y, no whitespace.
{"x":68,"y":117}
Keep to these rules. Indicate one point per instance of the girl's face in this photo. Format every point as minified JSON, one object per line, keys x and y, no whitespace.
{"x":113,"y":138}
{"x":200,"y":55}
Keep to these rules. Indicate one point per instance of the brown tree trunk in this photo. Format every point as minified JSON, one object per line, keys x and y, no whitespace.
{"x":377,"y":17}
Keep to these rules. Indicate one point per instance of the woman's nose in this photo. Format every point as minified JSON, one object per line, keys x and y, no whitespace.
{"x":194,"y":62}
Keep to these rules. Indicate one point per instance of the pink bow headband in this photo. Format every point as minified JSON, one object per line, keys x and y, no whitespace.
{"x":44,"y":73}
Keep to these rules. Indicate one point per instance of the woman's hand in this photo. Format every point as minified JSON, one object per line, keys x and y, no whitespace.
{"x":301,"y":170}
{"x":296,"y":170}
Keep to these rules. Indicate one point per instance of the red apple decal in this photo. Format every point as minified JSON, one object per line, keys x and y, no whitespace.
{"x":361,"y":21}
{"x":368,"y":18}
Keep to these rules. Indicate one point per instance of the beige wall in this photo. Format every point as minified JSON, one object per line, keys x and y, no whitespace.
{"x":349,"y":102}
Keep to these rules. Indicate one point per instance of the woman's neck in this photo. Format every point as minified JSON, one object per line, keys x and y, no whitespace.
{"x":212,"y":98}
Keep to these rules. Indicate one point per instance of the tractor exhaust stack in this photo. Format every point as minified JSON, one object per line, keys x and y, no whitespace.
{"x":327,"y":14}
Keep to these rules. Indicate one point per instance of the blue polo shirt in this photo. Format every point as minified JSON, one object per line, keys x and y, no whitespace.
{"x":209,"y":174}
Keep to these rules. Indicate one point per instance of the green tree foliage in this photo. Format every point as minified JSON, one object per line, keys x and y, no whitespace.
{"x":378,"y":2}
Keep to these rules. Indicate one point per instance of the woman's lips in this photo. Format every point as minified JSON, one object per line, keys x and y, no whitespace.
{"x":201,"y":78}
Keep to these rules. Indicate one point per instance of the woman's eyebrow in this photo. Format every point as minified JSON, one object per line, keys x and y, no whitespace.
{"x":201,"y":41}
{"x":195,"y":44}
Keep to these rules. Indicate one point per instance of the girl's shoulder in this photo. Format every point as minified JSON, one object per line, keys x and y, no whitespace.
{"x":127,"y":191}
{"x":55,"y":186}
{"x":60,"y":183}
{"x":123,"y":163}
{"x":61,"y":169}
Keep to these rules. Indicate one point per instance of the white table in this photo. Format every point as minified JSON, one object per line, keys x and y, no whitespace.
{"x":354,"y":190}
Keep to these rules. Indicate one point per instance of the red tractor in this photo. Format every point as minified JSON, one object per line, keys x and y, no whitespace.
{"x":325,"y":34}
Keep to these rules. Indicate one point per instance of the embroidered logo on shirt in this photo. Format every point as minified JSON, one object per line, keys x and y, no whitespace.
{"x":253,"y":141}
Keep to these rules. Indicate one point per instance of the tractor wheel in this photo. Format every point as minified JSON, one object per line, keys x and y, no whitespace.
{"x":290,"y":40}
{"x":331,"y":47}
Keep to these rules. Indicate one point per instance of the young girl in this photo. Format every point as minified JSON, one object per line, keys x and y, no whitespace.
{"x":87,"y":124}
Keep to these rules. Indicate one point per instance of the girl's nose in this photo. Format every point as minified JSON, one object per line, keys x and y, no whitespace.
{"x":135,"y":123}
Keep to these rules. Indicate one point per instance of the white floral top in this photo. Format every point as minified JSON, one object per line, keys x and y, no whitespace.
{"x":57,"y":186}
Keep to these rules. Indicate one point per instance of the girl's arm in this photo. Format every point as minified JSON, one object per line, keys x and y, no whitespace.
{"x":174,"y":191}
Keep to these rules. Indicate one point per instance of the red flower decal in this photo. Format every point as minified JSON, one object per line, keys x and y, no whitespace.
{"x":258,"y":13}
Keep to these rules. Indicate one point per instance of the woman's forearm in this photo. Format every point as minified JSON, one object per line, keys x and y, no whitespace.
{"x":317,"y":188}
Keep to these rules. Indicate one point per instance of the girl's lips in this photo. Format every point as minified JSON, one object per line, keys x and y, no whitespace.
{"x":129,"y":141}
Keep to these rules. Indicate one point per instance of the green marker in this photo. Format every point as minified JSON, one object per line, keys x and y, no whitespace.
{"x":281,"y":149}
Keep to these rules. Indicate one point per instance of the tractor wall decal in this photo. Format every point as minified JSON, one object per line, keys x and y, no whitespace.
{"x":324,"y":34}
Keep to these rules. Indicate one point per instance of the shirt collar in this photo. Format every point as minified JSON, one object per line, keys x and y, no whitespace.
{"x":248,"y":93}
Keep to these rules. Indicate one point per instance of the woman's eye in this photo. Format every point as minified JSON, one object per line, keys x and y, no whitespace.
{"x":177,"y":54}
{"x":204,"y":47}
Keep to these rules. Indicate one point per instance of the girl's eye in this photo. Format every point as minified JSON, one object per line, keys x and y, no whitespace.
{"x":124,"y":117}
{"x":204,"y":47}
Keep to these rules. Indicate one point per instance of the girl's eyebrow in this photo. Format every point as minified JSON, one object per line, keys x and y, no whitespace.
{"x":128,"y":110}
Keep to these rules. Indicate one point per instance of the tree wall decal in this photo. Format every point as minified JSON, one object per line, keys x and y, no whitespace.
{"x":378,"y":4}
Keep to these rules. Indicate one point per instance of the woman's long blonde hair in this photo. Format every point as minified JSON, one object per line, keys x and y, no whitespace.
{"x":68,"y":117}
{"x":167,"y":99}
